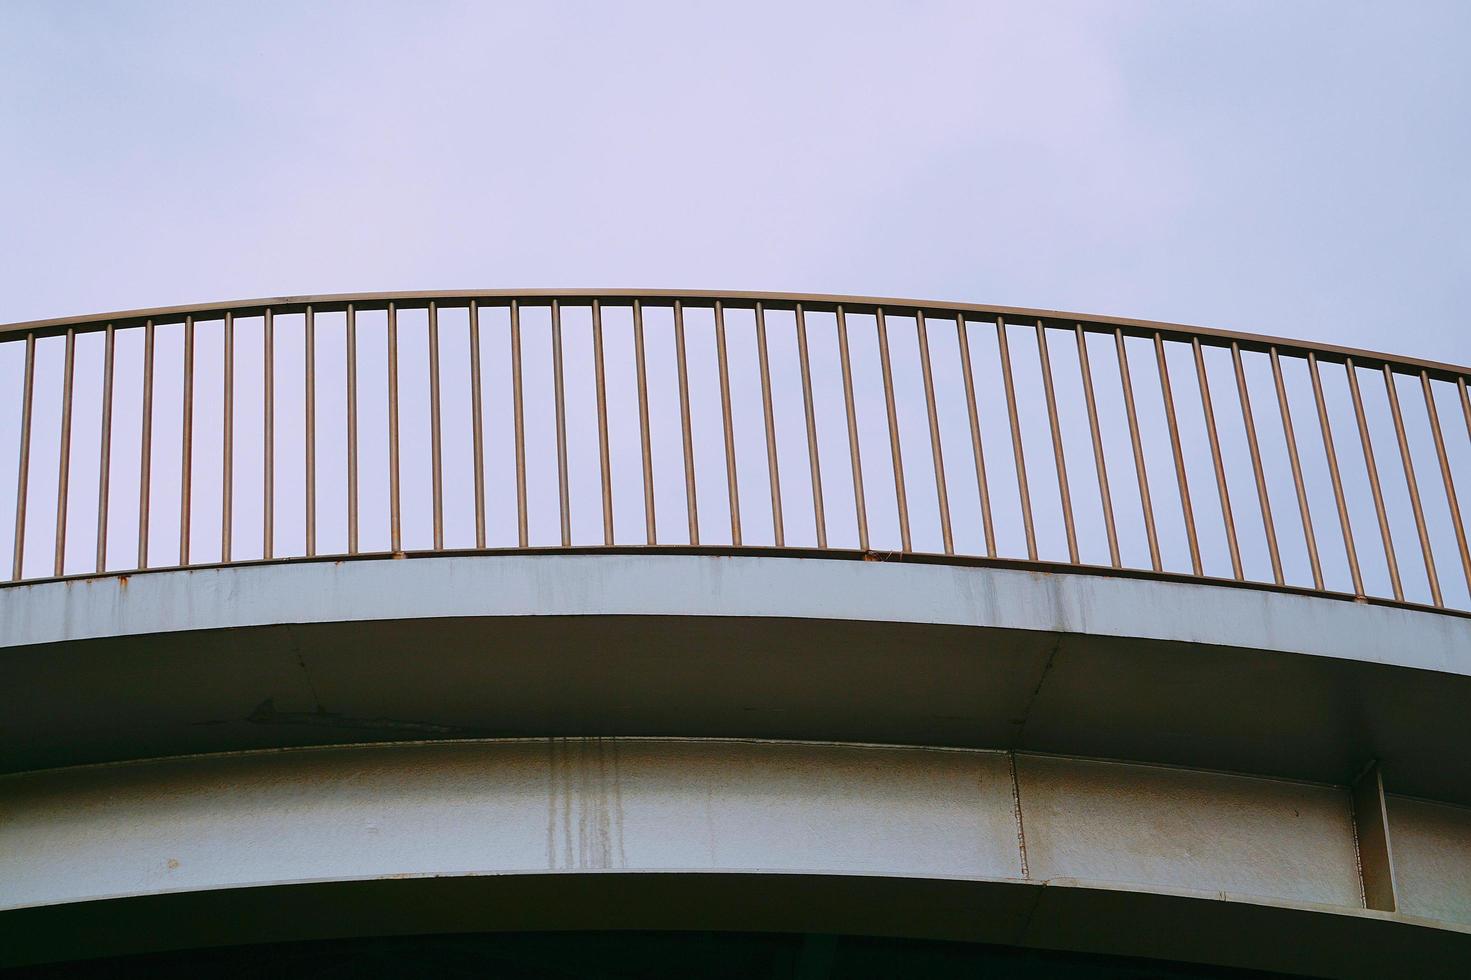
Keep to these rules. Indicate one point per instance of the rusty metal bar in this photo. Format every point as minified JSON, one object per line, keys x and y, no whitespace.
{"x":1187,"y":511}
{"x":559,"y":399}
{"x":1139,"y":465}
{"x":309,"y":340}
{"x":1414,"y":487}
{"x":1099,"y":462}
{"x":1343,"y":519}
{"x":436,"y":468}
{"x":651,"y":534}
{"x":104,"y":455}
{"x":1016,"y":439}
{"x":691,"y":508}
{"x":352,"y":429}
{"x":268,"y":371}
{"x":395,"y":527}
{"x":942,"y":496}
{"x":602,"y":389}
{"x":519,"y":421}
{"x":1215,"y":443}
{"x":1256,"y":464}
{"x":772,"y":472}
{"x":978,"y":455}
{"x":1445,"y":475}
{"x":855,"y":458}
{"x":819,"y":518}
{"x":1304,"y":511}
{"x":1389,"y":558}
{"x":23,"y":468}
{"x":227,"y":442}
{"x":1057,"y":450}
{"x":1465,"y":404}
{"x":63,"y":465}
{"x":477,"y":424}
{"x":145,"y":454}
{"x":901,"y":501}
{"x":731,"y":480}
{"x":186,"y":461}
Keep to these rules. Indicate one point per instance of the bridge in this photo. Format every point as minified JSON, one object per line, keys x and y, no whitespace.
{"x":387,"y":615}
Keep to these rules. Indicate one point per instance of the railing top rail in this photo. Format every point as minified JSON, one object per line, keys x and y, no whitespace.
{"x":744,"y":299}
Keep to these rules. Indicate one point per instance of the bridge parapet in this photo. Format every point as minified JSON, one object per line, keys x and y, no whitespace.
{"x":431,"y":422}
{"x":591,"y":610}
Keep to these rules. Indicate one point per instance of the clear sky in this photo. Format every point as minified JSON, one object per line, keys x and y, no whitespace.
{"x":1297,"y":168}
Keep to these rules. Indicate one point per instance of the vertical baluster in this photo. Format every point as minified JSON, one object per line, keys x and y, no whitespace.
{"x":651,"y":535}
{"x":477,"y":424}
{"x":855,"y":459}
{"x":1256,"y":463}
{"x":309,"y":339}
{"x":604,"y":465}
{"x":901,"y":501}
{"x":104,"y":453}
{"x":942,"y":495}
{"x":819,"y":518}
{"x":1215,"y":443}
{"x":731,"y":481}
{"x":269,"y":373}
{"x":1098,"y":460}
{"x":186,"y":460}
{"x":978,"y":454}
{"x":1059,"y":458}
{"x":227,"y":440}
{"x":352,"y":429}
{"x":63,"y":466}
{"x":691,"y":510}
{"x":1302,"y":495}
{"x":519,"y":420}
{"x":436,"y":442}
{"x":1445,"y":475}
{"x":395,"y":527}
{"x":559,"y":399}
{"x":1373,"y":471}
{"x":23,"y":466}
{"x":1187,"y":511}
{"x":1343,"y":519}
{"x":1413,"y":486}
{"x":145,"y":461}
{"x":1016,"y":439}
{"x":1140,"y":469}
{"x":772,"y":472}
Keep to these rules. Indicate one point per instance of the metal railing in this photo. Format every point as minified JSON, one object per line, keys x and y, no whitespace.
{"x":829,"y":390}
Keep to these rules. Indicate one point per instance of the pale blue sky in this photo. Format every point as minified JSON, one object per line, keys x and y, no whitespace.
{"x":1294,"y":168}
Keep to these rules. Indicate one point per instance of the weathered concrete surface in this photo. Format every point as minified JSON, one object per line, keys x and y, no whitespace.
{"x":487,"y":647}
{"x":666,"y":585}
{"x":1188,"y":840}
{"x":482,"y":708}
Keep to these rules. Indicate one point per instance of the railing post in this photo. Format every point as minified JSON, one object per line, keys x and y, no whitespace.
{"x":23,"y":466}
{"x":64,"y":455}
{"x":1018,"y":452}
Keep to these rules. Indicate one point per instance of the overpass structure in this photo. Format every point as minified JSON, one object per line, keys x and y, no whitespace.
{"x":668,"y":612}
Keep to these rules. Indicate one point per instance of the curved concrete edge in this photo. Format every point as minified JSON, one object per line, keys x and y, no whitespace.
{"x":1062,"y":914}
{"x":733,"y":586}
{"x":110,"y":834}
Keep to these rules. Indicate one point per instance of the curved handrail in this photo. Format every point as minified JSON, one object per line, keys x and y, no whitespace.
{"x":733,"y":299}
{"x":946,"y":401}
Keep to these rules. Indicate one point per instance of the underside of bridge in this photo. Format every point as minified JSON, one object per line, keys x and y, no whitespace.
{"x":730,"y":765}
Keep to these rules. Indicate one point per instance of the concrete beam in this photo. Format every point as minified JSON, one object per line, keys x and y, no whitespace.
{"x":1126,"y":835}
